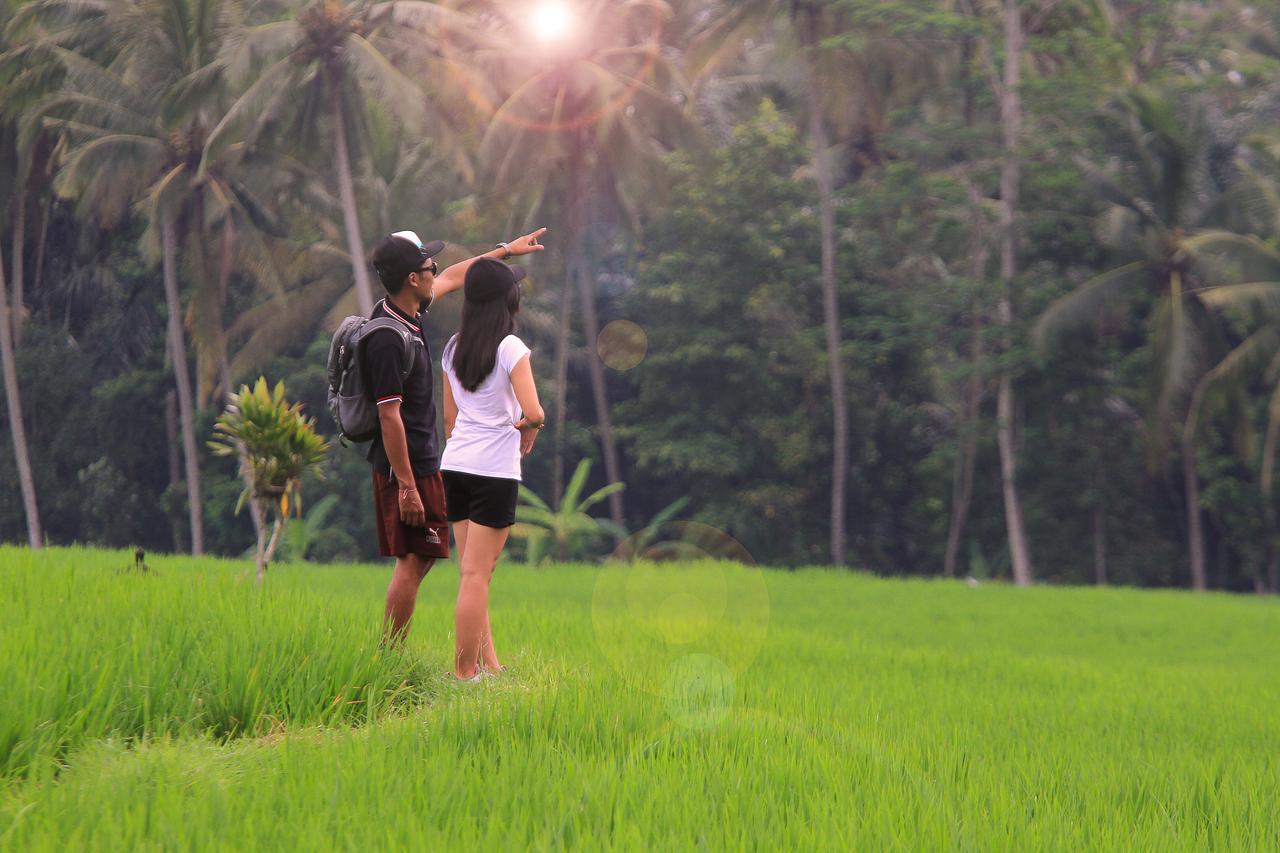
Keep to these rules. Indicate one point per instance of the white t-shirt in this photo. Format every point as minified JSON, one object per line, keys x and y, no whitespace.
{"x":484,"y":439}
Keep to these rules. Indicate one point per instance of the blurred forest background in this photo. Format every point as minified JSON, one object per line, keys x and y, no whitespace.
{"x":961,"y":287}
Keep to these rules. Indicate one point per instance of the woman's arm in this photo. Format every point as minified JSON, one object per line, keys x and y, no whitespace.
{"x":450,"y":409}
{"x":452,"y":277}
{"x":527,"y":396}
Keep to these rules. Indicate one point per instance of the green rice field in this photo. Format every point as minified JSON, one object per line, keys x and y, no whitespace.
{"x":693,"y":705}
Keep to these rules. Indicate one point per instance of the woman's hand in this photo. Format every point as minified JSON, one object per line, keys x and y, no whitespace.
{"x":526,"y":244}
{"x":528,"y":435}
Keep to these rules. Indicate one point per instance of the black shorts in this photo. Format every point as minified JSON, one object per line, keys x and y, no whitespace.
{"x":490,"y":501}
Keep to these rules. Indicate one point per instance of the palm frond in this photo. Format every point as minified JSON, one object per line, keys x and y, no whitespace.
{"x":248,"y":47}
{"x":1246,"y":359}
{"x":534,"y":515}
{"x":382,"y":82}
{"x":104,"y":174}
{"x":1262,"y":295}
{"x":600,"y":494}
{"x":1236,"y":255}
{"x":250,"y":110}
{"x":1092,"y":301}
{"x":576,"y":482}
{"x":527,"y":495}
{"x":1108,"y":189}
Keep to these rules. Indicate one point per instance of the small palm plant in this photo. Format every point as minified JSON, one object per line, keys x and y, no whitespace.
{"x":648,"y":540}
{"x":567,"y":527}
{"x":276,"y":446}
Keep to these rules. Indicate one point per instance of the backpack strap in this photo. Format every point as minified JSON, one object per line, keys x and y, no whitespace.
{"x":408,"y":338}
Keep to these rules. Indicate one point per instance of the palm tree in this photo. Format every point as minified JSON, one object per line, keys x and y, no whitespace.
{"x":323,"y":71}
{"x":1226,"y":384}
{"x":136,"y":120}
{"x":32,"y":72}
{"x":812,"y":26}
{"x":1154,"y":223}
{"x":9,"y":315}
{"x":593,"y":113}
{"x":1254,"y":203}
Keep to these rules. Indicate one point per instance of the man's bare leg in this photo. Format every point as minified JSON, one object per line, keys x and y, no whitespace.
{"x":402,"y":595}
{"x":484,"y":544}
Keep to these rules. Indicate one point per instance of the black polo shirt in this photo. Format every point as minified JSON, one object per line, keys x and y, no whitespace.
{"x":383,"y":363}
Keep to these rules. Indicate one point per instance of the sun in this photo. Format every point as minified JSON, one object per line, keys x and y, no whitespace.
{"x":551,"y":22}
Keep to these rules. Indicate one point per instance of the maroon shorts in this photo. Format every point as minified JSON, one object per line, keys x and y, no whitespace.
{"x":395,"y":538}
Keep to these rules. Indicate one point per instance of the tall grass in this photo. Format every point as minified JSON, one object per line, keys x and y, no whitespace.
{"x":91,"y":651}
{"x":843,"y":713}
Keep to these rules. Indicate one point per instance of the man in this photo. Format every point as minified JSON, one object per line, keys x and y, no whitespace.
{"x":408,"y":493}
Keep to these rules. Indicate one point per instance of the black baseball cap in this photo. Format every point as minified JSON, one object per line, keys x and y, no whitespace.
{"x":401,"y":253}
{"x":489,"y":279}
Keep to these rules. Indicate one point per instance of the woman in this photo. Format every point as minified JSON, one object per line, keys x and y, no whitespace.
{"x":488,"y":385}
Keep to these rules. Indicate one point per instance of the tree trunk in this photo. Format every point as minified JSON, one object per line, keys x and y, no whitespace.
{"x":347,"y":193}
{"x":226,"y":261}
{"x":1195,"y":529}
{"x":583,"y":275}
{"x":1100,"y":544}
{"x":599,"y":390}
{"x":962,"y":484}
{"x":261,"y":539}
{"x":1011,"y":122}
{"x":831,"y":317}
{"x":1190,"y":478}
{"x":38,"y":282}
{"x":19,"y":309}
{"x":175,"y":461}
{"x":265,"y":556}
{"x":178,"y":352}
{"x":573,"y":260}
{"x":561,"y":385}
{"x":17,"y":429}
{"x":196,"y":318}
{"x":967,"y":432}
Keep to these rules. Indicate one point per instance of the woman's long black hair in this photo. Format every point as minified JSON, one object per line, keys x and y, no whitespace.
{"x":484,"y":325}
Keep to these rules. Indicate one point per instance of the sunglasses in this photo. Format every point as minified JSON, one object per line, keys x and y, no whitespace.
{"x":432,"y":267}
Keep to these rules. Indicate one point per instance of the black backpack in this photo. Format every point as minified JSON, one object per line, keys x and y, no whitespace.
{"x":350,"y":402}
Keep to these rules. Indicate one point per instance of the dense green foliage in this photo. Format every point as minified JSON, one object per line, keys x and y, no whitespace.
{"x":690,"y":208}
{"x":836,"y":711}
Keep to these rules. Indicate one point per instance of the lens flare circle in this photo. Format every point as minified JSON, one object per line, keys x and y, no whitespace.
{"x":699,"y":691}
{"x":622,"y":345}
{"x":682,"y":590}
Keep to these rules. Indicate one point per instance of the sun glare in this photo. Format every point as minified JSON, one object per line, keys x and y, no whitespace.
{"x":552,"y":22}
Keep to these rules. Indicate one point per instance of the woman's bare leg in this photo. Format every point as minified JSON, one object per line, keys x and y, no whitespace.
{"x":484,"y":544}
{"x":488,"y":657}
{"x":460,"y":536}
